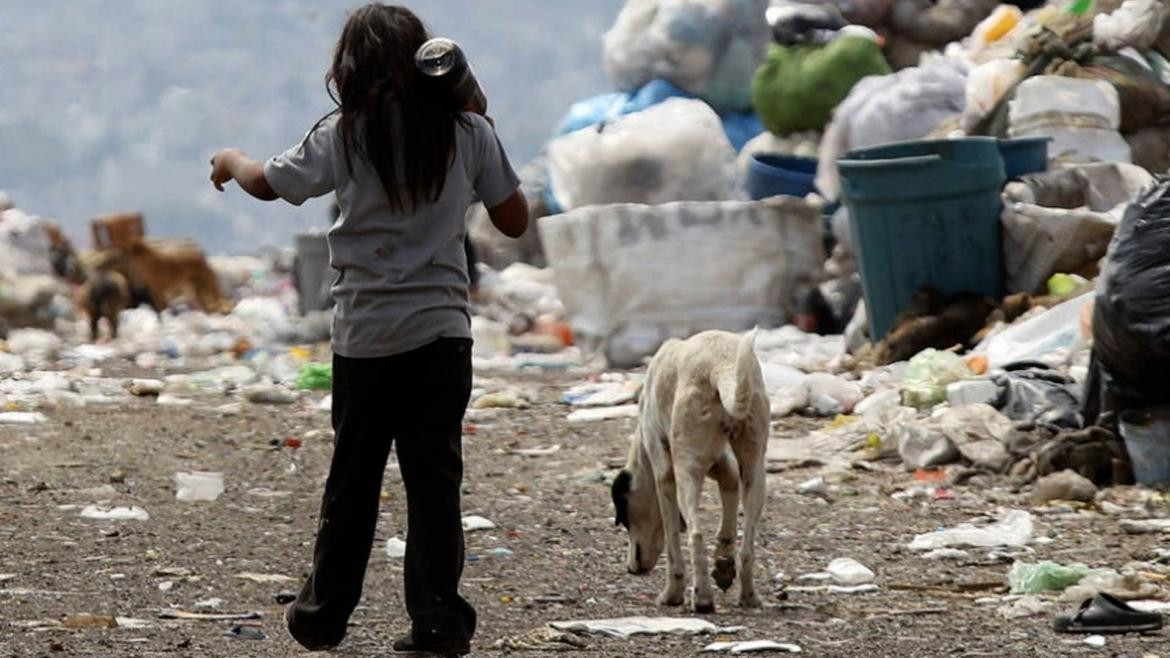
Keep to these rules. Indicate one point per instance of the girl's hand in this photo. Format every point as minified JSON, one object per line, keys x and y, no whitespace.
{"x":221,"y":166}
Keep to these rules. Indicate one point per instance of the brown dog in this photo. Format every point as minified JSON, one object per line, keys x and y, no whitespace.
{"x":105,"y":294}
{"x":167,"y":272}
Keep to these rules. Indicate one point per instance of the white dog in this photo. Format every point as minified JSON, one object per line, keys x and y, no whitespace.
{"x":703,"y":412}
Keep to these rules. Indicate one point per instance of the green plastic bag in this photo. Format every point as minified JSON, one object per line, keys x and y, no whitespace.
{"x":315,"y":377}
{"x":1041,"y":577}
{"x":798,"y":87}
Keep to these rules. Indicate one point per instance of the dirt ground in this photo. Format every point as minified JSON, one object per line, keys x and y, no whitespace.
{"x":553,"y":513}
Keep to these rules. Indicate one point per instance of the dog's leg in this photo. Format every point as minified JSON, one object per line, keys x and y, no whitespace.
{"x":752,"y":477}
{"x":690,"y":486}
{"x":728,"y":479}
{"x":674,"y":592}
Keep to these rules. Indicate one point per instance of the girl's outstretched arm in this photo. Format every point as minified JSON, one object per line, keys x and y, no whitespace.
{"x":231,"y":164}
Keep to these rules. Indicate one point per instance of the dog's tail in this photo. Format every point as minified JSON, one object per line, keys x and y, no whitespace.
{"x":735,"y":384}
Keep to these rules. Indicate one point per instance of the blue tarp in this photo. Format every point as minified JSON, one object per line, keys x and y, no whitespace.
{"x":740,"y":127}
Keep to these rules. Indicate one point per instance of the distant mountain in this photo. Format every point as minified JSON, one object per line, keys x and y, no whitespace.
{"x":116,"y":106}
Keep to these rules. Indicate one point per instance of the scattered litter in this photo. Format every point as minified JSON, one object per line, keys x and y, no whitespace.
{"x":626,"y":627}
{"x":1097,"y":641}
{"x":209,"y":604}
{"x":536,"y":452}
{"x":869,"y":588}
{"x":247,"y":633}
{"x":315,"y":377}
{"x":847,"y":571}
{"x":99,"y":513}
{"x":173,"y":401}
{"x":946,"y":554}
{"x":540,"y":639}
{"x":501,"y":400}
{"x":284,"y":598}
{"x":1027,"y":578}
{"x":603,"y":394}
{"x":474,"y":523}
{"x":752,"y":646}
{"x":603,"y":413}
{"x":1013,"y":529}
{"x":1025,"y":606}
{"x":266,"y":578}
{"x":22,"y":418}
{"x":86,"y":620}
{"x":207,"y":616}
{"x":6,"y":576}
{"x":813,"y":487}
{"x":145,"y":387}
{"x":1145,"y":526}
{"x":269,"y":394}
{"x":395,"y":548}
{"x":1065,"y":485}
{"x":198,"y":486}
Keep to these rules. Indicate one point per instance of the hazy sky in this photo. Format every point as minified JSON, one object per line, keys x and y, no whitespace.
{"x":108,"y":106}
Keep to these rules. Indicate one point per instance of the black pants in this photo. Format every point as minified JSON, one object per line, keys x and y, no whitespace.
{"x":415,"y":401}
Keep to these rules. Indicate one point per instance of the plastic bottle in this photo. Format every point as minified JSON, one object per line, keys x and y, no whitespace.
{"x":443,"y":59}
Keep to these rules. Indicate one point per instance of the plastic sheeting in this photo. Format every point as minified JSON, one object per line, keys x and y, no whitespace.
{"x":1062,"y":220}
{"x":632,"y":276}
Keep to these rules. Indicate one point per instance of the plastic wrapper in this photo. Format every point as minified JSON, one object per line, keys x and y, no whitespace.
{"x":710,"y":48}
{"x":1026,"y":578}
{"x":1041,"y":398}
{"x":986,"y":87}
{"x":1131,"y":319}
{"x":674,"y":151}
{"x":1136,"y":24}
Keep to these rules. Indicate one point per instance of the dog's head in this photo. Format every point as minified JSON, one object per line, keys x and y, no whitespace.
{"x":635,"y":503}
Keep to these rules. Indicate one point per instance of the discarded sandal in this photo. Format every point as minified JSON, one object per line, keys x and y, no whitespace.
{"x":1106,"y":614}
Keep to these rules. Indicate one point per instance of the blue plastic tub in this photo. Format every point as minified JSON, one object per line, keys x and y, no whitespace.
{"x":1024,"y":155}
{"x":773,"y":175}
{"x":924,"y":213}
{"x":1147,"y":440}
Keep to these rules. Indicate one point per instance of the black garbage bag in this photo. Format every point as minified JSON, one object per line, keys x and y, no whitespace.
{"x":1039,"y":397}
{"x":1131,"y":317}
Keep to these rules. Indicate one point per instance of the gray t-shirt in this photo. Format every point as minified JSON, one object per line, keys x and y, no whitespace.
{"x":402,"y":278}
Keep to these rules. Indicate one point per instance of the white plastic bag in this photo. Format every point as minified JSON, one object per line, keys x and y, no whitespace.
{"x":674,"y":151}
{"x":1136,"y":24}
{"x":710,"y":48}
{"x":1081,"y":116}
{"x":1013,"y":529}
{"x":906,"y":105}
{"x":986,"y":86}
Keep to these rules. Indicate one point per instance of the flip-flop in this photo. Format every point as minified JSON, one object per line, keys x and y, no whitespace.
{"x":1106,"y":614}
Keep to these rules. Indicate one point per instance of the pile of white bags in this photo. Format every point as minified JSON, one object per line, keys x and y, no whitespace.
{"x":674,"y":151}
{"x":710,"y":48}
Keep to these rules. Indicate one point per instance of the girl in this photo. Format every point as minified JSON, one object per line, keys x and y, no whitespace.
{"x":404,"y":164}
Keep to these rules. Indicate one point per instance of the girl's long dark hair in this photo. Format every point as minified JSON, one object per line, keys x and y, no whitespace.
{"x":393,"y":116}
